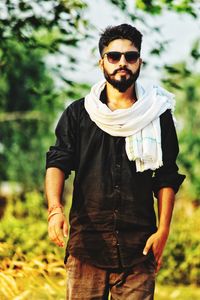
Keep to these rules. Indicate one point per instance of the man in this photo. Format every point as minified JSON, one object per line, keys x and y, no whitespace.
{"x":121,"y":141}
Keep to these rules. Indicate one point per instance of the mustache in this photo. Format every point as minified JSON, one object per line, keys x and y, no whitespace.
{"x":122,"y":69}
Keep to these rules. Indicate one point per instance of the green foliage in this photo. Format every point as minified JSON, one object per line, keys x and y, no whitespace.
{"x":30,"y":104}
{"x":157,"y":6}
{"x":185,"y":83}
{"x":21,"y":19}
{"x":50,"y":26}
{"x":24,"y":228}
{"x":181,"y":261}
{"x":178,"y":292}
{"x":29,"y":32}
{"x":195,"y":51}
{"x":28,"y":108}
{"x":143,"y":11}
{"x":120,"y":3}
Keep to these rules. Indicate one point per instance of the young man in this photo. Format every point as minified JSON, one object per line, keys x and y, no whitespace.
{"x":121,"y":141}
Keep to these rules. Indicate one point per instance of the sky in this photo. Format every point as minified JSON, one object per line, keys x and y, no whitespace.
{"x":181,"y":30}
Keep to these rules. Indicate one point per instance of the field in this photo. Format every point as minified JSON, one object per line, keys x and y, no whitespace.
{"x":44,"y":278}
{"x":32,"y":267}
{"x":44,"y":287}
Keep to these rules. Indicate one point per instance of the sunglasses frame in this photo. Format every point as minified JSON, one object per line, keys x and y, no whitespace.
{"x":114,"y":61}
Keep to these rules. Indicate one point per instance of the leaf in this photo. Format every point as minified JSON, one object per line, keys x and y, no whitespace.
{"x":172,"y":70}
{"x":120,"y":3}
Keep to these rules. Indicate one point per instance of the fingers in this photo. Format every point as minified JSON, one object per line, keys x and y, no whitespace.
{"x":65,"y":229}
{"x":159,"y":264}
{"x":56,"y":228}
{"x":157,"y":242}
{"x":55,"y":236}
{"x":157,"y":251}
{"x":58,"y":236}
{"x":148,"y":245}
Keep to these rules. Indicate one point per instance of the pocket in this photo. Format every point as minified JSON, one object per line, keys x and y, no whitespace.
{"x":151,"y":264}
{"x":154,"y":259}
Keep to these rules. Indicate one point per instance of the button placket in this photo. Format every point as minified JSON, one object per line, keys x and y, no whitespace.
{"x":117,"y":190}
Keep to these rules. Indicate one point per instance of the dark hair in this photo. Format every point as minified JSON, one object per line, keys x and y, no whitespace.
{"x":123,"y":31}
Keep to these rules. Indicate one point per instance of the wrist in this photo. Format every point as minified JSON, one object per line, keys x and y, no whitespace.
{"x":55,"y":207}
{"x":53,"y":214}
{"x":164,"y":230}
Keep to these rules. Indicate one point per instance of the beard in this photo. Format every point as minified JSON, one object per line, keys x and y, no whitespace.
{"x":123,"y":83}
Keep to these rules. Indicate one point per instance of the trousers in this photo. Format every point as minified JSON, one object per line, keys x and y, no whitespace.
{"x":87,"y":282}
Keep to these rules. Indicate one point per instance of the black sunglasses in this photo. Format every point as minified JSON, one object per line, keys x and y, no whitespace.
{"x":115,"y":56}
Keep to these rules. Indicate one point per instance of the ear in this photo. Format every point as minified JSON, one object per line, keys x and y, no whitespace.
{"x":101,"y":64}
{"x":140,"y":61}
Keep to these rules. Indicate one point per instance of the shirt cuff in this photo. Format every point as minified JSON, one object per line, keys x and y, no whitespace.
{"x":168,"y":180}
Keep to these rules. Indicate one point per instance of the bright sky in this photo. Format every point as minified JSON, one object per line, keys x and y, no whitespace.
{"x":182,"y":30}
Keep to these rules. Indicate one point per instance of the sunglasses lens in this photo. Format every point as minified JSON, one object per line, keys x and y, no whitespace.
{"x":132,"y":56}
{"x":113,"y":57}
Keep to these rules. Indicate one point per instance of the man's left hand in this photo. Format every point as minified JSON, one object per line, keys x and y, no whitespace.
{"x":157,"y":242}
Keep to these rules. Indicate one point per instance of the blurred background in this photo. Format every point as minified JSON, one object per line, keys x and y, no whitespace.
{"x":49,"y":58}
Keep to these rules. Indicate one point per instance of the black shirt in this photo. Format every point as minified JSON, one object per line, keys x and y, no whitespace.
{"x":112,"y":213}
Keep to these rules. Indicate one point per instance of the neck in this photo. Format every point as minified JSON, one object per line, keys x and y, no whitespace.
{"x":117,"y":100}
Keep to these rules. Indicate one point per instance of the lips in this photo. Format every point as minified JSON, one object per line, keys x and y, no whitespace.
{"x":122,"y":71}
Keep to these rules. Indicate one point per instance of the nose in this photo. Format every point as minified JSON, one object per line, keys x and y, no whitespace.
{"x":122,"y":61}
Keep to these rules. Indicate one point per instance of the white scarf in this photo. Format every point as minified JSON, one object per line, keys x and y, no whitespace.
{"x":140,"y":123}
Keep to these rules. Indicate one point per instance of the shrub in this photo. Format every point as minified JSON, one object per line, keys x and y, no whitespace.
{"x":181,"y":260}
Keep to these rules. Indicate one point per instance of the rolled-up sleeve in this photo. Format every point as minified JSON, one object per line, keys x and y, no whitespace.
{"x":62,"y":154}
{"x":167,"y":175}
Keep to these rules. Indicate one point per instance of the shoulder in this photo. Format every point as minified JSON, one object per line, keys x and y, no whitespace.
{"x":167,"y":125}
{"x":74,"y":109}
{"x":166,"y":118}
{"x":76,"y":105}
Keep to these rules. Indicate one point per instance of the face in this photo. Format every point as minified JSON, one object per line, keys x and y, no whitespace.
{"x":121,"y":74}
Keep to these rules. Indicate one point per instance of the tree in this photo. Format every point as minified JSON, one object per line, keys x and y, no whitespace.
{"x":157,"y":6}
{"x":30,"y":102}
{"x":185,"y":83}
{"x":52,"y":25}
{"x":141,"y":10}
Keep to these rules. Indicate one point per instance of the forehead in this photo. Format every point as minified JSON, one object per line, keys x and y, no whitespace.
{"x":121,"y":45}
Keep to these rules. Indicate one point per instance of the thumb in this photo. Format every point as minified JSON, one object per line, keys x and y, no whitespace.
{"x":147,"y":246}
{"x":65,"y":229}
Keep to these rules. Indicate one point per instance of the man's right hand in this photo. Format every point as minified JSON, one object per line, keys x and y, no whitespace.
{"x":58,"y":229}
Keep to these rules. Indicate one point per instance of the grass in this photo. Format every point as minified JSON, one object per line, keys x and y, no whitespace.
{"x":30,"y":284}
{"x":41,"y":278}
{"x":32,"y":287}
{"x":179,"y":292}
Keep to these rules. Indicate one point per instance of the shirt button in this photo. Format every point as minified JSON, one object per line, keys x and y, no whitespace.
{"x":117,"y":231}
